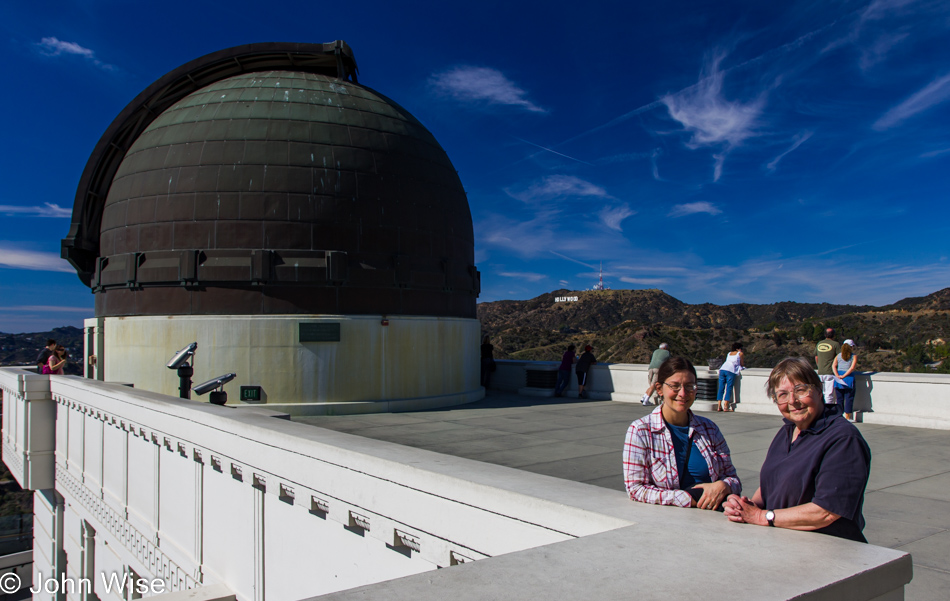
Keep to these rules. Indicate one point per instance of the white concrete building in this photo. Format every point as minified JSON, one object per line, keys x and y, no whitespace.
{"x":240,"y":503}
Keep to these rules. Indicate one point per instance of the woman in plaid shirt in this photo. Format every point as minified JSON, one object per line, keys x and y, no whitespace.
{"x":673,"y":457}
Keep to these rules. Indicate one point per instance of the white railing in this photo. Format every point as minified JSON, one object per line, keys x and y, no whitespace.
{"x":29,"y":417}
{"x":896,"y":399}
{"x":268,"y":509}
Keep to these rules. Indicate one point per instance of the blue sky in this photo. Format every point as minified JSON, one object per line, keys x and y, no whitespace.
{"x":721,"y":151}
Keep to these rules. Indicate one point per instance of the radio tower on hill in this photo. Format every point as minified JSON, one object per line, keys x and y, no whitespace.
{"x":600,"y":284}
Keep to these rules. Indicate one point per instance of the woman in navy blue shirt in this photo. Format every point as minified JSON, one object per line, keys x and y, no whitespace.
{"x":817,"y":468}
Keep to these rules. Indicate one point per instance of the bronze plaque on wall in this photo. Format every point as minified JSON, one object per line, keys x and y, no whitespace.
{"x":319,"y":332}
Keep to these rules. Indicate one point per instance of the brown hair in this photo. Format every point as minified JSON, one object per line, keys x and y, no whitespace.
{"x":674,"y":365}
{"x":796,"y":369}
{"x":846,"y":351}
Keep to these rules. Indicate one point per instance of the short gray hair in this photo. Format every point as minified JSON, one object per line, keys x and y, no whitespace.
{"x":796,"y":369}
{"x":664,"y":345}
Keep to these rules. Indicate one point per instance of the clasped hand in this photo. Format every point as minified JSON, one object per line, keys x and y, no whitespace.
{"x":713,"y":494}
{"x":741,"y":510}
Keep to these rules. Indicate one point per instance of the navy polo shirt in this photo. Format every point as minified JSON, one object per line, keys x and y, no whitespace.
{"x":828,"y":465}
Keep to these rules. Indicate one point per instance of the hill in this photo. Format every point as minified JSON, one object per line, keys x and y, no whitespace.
{"x":625,"y":326}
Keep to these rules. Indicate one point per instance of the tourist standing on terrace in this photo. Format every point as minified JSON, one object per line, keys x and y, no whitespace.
{"x":659,"y":356}
{"x":488,"y":361}
{"x":728,"y":372}
{"x":843,"y":368}
{"x":673,"y":456}
{"x":564,"y":371}
{"x":817,"y":467}
{"x":582,"y":369}
{"x":825,"y":352}
{"x":57,"y":361}
{"x":43,"y":357}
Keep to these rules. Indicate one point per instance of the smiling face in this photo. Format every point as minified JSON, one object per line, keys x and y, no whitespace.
{"x":799,"y":403}
{"x":676,"y":403}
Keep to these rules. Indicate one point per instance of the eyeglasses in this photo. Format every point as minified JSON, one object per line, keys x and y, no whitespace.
{"x":782,"y":397}
{"x":689,"y":388}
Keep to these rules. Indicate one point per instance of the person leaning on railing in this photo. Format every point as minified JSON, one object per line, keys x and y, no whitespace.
{"x":817,"y":467}
{"x":57,"y":361}
{"x":674,"y":457}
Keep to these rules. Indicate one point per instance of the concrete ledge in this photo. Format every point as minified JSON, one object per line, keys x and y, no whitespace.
{"x":618,"y":565}
{"x":895,"y":399}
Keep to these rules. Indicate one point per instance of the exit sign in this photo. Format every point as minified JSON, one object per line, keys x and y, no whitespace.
{"x":319,"y":331}
{"x":251,"y":394}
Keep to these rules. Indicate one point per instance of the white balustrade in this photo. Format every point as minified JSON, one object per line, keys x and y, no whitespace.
{"x":239,"y":501}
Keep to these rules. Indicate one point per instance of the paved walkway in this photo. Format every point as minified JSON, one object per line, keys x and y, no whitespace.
{"x":907,"y":505}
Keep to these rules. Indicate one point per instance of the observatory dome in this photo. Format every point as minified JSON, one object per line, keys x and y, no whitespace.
{"x":304,"y":231}
{"x":280,"y":191}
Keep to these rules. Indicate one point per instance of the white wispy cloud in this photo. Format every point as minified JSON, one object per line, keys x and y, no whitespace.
{"x":557,"y":186}
{"x":807,"y":279}
{"x":691,"y":208}
{"x":932,"y":94}
{"x":871,"y":31}
{"x":531,"y":277}
{"x":614,"y":216}
{"x":575,"y":237}
{"x":880,"y":9}
{"x":718,"y":159}
{"x":16,"y":258}
{"x":653,"y":166}
{"x":877,"y":50}
{"x":711,"y":118}
{"x":45,"y":309}
{"x":47,"y":210}
{"x":482,"y":85}
{"x":563,"y":282}
{"x":645,"y":281}
{"x":797,"y":141}
{"x":55,"y":47}
{"x":934,"y":153}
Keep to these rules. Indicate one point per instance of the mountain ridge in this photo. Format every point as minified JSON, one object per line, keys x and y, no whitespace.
{"x":628,"y":324}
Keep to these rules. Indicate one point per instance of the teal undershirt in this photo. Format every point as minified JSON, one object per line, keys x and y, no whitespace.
{"x":698,"y":470}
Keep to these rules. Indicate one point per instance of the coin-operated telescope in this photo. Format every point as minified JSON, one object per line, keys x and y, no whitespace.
{"x":181,"y":362}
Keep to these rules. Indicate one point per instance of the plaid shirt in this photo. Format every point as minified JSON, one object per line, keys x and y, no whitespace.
{"x":649,"y":462}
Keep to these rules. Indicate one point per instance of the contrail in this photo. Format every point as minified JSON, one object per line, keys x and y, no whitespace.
{"x":574,"y":260}
{"x":615,"y":121}
{"x":551,"y":151}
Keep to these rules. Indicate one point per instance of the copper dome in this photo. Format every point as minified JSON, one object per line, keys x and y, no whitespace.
{"x":285,"y":187}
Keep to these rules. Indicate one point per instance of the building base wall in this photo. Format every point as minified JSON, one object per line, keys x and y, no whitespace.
{"x":377,"y":359}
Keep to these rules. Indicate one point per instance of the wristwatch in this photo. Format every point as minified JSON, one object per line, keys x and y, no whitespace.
{"x":770,"y":517}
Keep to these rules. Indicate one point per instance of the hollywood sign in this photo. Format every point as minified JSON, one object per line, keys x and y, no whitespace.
{"x":565,"y":299}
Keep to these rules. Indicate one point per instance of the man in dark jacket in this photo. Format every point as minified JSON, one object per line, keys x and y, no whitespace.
{"x":582,"y":369}
{"x":44,"y":355}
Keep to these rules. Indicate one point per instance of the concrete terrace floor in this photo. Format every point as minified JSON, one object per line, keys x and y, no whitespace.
{"x":907,"y":505}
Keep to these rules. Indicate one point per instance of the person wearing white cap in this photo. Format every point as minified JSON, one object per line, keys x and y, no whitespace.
{"x":843,"y":367}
